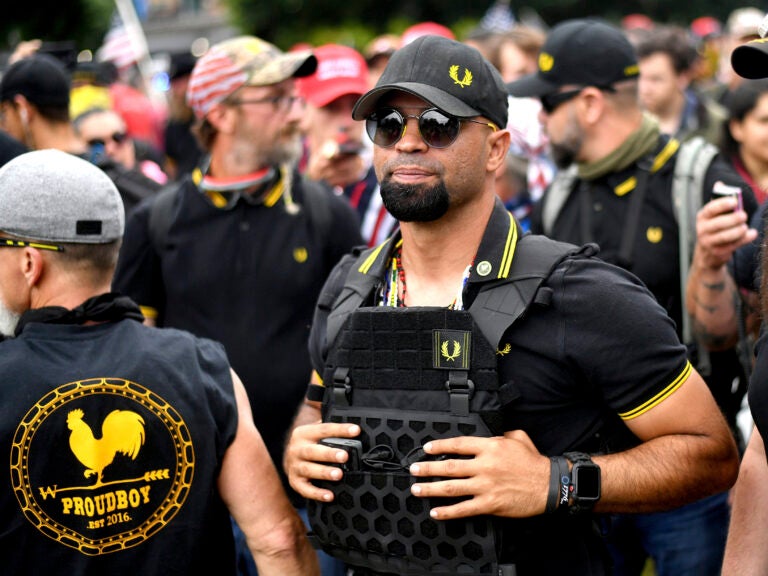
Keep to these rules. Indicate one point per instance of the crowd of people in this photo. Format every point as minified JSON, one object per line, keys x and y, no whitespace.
{"x":486,"y":306}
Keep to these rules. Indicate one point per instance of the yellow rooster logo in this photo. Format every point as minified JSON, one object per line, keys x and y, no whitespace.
{"x":456,"y":350}
{"x":453,"y":72}
{"x":122,"y":431}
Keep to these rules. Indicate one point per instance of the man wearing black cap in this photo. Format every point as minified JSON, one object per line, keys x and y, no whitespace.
{"x":478,"y":383}
{"x":616,"y":188}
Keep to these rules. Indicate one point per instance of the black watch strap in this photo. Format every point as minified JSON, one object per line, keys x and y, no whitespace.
{"x":579,"y":505}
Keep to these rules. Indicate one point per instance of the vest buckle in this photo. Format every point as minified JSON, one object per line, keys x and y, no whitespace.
{"x":461,"y":389}
{"x":342,"y":387}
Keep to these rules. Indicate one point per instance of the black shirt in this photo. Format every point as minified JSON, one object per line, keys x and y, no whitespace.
{"x":247,"y":277}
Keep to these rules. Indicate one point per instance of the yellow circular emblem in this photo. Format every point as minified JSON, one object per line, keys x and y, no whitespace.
{"x":654,"y":234}
{"x":101,"y":465}
{"x":300,"y":254}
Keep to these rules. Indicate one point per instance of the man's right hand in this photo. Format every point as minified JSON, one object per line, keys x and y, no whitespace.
{"x":305,"y":458}
{"x":720,"y":229}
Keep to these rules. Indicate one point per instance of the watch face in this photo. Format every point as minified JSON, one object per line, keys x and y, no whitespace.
{"x":587,"y":483}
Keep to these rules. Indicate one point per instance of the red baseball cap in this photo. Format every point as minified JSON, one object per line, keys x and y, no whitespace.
{"x":341,"y":70}
{"x":426,"y":29}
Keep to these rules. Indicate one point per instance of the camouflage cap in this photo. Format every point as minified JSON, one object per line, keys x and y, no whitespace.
{"x":242,"y":61}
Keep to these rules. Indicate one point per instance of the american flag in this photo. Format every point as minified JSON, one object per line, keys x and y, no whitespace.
{"x":498,"y":18}
{"x":119,"y":47}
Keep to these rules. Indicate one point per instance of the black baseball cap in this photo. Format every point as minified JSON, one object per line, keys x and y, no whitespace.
{"x":41,"y":79}
{"x":449,"y":75}
{"x":583,"y":52}
{"x":750,"y":60}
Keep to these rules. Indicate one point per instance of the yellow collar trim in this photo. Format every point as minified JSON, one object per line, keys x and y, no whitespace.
{"x":658,"y":162}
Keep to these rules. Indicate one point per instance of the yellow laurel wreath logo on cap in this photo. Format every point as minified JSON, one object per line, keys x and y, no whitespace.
{"x":453,"y":72}
{"x":546,"y":62}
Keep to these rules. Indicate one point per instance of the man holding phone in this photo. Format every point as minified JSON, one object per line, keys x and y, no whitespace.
{"x":334,"y":152}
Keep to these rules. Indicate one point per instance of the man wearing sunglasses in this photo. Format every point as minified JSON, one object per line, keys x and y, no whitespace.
{"x":619,"y":186}
{"x":239,"y":250}
{"x":129,"y":446}
{"x":478,"y":385}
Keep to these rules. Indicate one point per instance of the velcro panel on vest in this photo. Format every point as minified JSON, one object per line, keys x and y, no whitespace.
{"x":394,"y":369}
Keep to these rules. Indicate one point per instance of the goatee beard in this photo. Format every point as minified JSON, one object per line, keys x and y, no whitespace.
{"x":415,"y":203}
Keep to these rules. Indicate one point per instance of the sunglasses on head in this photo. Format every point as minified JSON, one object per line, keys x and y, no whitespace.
{"x":116,"y":137}
{"x":386,"y":126}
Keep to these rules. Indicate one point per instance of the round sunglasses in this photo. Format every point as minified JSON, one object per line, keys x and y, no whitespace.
{"x":386,"y":126}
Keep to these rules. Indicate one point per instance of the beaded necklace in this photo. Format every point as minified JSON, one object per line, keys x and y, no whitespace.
{"x":395,"y":288}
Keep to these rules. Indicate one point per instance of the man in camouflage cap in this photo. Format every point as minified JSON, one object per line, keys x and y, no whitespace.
{"x":238,"y":251}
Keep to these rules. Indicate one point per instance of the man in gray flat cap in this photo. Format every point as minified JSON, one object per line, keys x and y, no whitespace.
{"x":129,"y":446}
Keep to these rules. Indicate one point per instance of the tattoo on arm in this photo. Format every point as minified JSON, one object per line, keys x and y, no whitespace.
{"x":707,"y":308}
{"x":716,"y":287}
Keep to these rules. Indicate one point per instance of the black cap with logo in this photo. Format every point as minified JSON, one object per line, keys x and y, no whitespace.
{"x":583,"y":53}
{"x":750,"y":60}
{"x":449,"y":75}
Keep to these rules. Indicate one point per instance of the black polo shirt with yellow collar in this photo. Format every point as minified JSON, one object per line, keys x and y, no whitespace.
{"x":600,"y":353}
{"x":655,"y":250}
{"x":246,"y":274}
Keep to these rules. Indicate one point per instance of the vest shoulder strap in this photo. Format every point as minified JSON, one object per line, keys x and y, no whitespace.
{"x":500,"y":304}
{"x":357,"y":287}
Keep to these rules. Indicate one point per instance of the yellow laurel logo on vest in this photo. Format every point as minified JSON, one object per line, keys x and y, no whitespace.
{"x":654,"y":234}
{"x":546,"y":62}
{"x":453,"y":72}
{"x":300,"y":254}
{"x":456,"y":350}
{"x":504,"y":351}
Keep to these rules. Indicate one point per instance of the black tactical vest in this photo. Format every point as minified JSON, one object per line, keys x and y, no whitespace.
{"x":407,"y":376}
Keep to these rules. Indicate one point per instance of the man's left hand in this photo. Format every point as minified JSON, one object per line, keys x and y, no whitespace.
{"x":504,"y":476}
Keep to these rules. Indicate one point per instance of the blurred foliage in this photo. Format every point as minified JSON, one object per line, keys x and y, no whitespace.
{"x":83,"y":22}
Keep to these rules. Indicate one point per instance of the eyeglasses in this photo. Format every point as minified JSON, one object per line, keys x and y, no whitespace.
{"x":281,"y":103}
{"x":386,"y":126}
{"x":550,"y":102}
{"x":116,"y":137}
{"x":11,"y":243}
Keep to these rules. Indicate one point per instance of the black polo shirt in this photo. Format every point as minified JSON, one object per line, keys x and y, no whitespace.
{"x":247,"y":277}
{"x":572,"y":372}
{"x":655,"y":256}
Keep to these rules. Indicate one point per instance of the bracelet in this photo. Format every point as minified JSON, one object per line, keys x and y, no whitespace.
{"x":564,"y":477}
{"x":554,"y":486}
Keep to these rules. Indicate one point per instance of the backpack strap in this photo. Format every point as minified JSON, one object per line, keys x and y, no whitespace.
{"x":556,"y":196}
{"x":693,"y":160}
{"x":500,"y":304}
{"x":161,"y":216}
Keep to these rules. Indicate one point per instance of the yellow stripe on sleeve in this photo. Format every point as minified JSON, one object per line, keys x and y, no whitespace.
{"x":148,"y":312}
{"x":661,"y":396}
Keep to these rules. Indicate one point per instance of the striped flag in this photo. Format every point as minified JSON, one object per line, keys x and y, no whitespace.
{"x":498,"y":18}
{"x":119,"y":47}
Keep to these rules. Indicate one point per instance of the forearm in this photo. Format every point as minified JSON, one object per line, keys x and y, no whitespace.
{"x":711,"y":302}
{"x":666,"y":472}
{"x":285,"y":551}
{"x":745,"y":552}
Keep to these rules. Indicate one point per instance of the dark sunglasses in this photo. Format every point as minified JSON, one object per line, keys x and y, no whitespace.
{"x":11,"y":243}
{"x":550,"y":102}
{"x":386,"y":126}
{"x":117,"y":138}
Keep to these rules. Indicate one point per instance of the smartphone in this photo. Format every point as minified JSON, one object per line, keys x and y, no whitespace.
{"x":351,"y":446}
{"x":721,"y":189}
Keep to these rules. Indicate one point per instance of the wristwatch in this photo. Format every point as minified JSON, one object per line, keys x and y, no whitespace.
{"x":585,"y":482}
